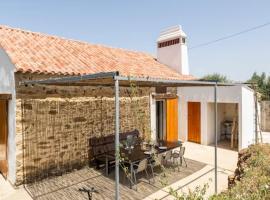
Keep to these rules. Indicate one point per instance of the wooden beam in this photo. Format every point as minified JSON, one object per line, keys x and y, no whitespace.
{"x":165,"y":96}
{"x":5,"y":96}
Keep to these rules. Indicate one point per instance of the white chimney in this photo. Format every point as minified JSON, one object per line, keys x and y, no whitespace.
{"x":172,"y":49}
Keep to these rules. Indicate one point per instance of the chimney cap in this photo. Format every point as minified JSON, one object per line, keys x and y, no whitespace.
{"x":172,"y":32}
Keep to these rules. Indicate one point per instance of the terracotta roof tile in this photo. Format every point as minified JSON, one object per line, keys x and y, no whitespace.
{"x":41,"y":53}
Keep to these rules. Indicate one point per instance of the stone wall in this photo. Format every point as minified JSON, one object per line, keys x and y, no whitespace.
{"x":265,"y":115}
{"x":238,"y":174}
{"x":54,"y":124}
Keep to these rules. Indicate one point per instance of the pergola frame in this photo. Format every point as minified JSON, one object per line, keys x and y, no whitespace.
{"x":114,"y":79}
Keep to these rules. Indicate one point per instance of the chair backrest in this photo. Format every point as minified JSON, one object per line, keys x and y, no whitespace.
{"x":168,"y":155}
{"x":98,"y":150}
{"x":182,"y":151}
{"x":142,"y":165}
{"x":129,"y":140}
{"x":158,"y":159}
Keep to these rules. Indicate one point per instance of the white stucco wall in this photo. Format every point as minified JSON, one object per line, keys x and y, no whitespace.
{"x":226,"y":94}
{"x":7,"y":85}
{"x":248,"y":118}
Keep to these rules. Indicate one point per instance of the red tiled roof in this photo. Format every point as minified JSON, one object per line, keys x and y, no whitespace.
{"x":41,"y":53}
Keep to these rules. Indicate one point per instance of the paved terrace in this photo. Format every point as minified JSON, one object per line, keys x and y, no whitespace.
{"x":67,"y":186}
{"x":200,"y":170}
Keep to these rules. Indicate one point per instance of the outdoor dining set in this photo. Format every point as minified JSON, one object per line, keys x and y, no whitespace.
{"x":136,"y":155}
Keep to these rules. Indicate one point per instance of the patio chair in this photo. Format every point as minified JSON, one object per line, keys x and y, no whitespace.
{"x":167,"y":157}
{"x":179,"y":155}
{"x":130,"y":141}
{"x":140,"y":167}
{"x":154,"y":162}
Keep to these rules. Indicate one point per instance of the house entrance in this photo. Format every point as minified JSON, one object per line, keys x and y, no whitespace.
{"x":194,"y":122}
{"x":161,"y":119}
{"x":167,"y":119}
{"x":3,"y":137}
{"x":227,"y":125}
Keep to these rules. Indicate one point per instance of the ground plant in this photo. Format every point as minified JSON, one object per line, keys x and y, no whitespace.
{"x":253,"y":185}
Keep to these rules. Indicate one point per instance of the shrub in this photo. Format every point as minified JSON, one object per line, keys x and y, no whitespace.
{"x":255,"y":182}
{"x":253,"y":185}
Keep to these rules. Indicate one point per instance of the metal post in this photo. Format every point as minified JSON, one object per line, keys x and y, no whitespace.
{"x":116,"y":87}
{"x":256,"y":115}
{"x":215,"y":93}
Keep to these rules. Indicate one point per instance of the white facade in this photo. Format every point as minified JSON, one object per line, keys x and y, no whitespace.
{"x":240,"y":95}
{"x":175,"y":54}
{"x":7,"y":86}
{"x":238,"y":98}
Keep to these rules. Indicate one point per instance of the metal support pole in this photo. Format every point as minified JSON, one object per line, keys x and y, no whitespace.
{"x":116,"y":87}
{"x":215,"y":93}
{"x":256,"y":116}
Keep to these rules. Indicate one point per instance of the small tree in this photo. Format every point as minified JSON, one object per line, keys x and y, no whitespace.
{"x":216,"y":77}
{"x":261,"y":84}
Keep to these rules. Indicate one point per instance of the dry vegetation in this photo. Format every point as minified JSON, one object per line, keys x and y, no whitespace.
{"x":255,"y":179}
{"x":252,"y":178}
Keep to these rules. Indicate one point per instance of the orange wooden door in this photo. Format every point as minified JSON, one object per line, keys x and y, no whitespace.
{"x":172,"y":120}
{"x":3,"y":137}
{"x":194,"y":122}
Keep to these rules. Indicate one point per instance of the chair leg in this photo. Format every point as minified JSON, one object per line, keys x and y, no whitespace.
{"x":178,"y":165}
{"x":147,"y":175}
{"x":152,"y":173}
{"x":173,"y":164}
{"x":184,"y":161}
{"x":135,"y":179}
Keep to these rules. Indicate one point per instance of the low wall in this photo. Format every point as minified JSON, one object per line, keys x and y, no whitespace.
{"x":265,"y":115}
{"x":54,"y":125}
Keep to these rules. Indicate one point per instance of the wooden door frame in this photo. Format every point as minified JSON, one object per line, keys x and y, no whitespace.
{"x":200,"y":120}
{"x":7,"y":135}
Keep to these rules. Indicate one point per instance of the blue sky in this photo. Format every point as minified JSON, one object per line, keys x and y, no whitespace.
{"x":135,"y":25}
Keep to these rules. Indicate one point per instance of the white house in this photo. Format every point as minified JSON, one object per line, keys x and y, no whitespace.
{"x":45,"y":128}
{"x":195,"y":104}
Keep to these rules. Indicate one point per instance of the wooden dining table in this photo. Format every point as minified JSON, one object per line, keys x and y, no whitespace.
{"x":131,"y":156}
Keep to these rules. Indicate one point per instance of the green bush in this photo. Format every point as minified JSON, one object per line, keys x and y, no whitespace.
{"x":255,"y":183}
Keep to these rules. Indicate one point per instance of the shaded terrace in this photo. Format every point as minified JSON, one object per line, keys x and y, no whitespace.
{"x":113,"y":79}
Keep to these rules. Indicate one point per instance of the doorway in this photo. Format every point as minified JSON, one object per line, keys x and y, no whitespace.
{"x":194,"y":122}
{"x":167,"y":120}
{"x":3,"y":137}
{"x":161,"y":120}
{"x":227,"y":125}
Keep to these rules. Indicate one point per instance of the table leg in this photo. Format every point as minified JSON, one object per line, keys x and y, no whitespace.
{"x":106,"y":166}
{"x":131,"y":175}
